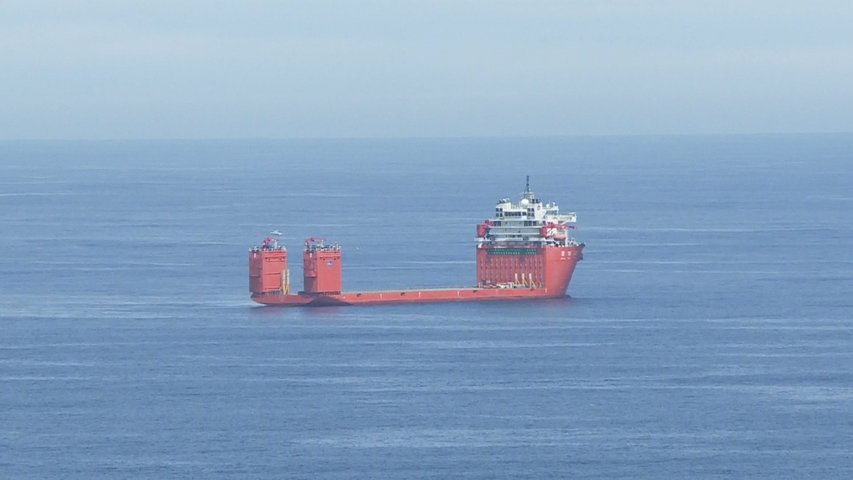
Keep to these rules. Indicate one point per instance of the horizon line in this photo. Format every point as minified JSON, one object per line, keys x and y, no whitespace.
{"x":423,"y":137}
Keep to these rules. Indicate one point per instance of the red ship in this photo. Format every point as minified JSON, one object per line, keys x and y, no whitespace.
{"x":526,"y":251}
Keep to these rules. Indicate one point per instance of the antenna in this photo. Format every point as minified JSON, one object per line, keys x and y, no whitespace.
{"x":527,"y":193}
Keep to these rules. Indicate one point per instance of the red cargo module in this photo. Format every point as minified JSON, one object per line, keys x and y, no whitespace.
{"x":525,"y":251}
{"x":268,"y":268}
{"x":322,"y":267}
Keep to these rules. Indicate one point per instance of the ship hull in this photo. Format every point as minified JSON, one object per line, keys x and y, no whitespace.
{"x":559,"y":266}
{"x":405,"y":297}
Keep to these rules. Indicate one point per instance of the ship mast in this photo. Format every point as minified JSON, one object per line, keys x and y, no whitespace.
{"x":527,"y":193}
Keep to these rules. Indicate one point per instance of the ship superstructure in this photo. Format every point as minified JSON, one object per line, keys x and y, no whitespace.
{"x":525,"y":251}
{"x":527,"y":243}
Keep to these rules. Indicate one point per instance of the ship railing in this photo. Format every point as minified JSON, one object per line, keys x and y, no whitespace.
{"x":323,"y":248}
{"x":268,"y":248}
{"x":315,"y":244}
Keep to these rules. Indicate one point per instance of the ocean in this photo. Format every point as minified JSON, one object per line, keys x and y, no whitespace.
{"x":709,"y":333}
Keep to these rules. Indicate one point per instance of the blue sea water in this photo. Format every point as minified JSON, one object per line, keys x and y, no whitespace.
{"x":709,"y":333}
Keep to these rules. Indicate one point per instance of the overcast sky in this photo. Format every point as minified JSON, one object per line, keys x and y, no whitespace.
{"x":396,"y":68}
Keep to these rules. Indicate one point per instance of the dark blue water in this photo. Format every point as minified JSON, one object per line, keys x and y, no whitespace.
{"x":710,"y":333}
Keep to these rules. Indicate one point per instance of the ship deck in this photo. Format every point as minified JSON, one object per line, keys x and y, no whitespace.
{"x":426,"y":295}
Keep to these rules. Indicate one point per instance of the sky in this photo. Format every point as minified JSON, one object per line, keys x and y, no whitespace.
{"x":284,"y":69}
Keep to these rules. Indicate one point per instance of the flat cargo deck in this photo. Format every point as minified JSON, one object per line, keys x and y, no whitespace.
{"x":404,"y":296}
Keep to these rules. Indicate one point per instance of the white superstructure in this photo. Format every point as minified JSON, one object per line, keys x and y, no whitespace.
{"x":529,"y":221}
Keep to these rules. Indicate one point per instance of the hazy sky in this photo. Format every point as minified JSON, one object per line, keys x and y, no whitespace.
{"x":251,"y":68}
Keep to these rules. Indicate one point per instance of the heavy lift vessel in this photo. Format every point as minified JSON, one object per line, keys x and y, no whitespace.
{"x":525,"y":251}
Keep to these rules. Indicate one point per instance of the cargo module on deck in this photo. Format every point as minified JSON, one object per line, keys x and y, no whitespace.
{"x":526,"y":251}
